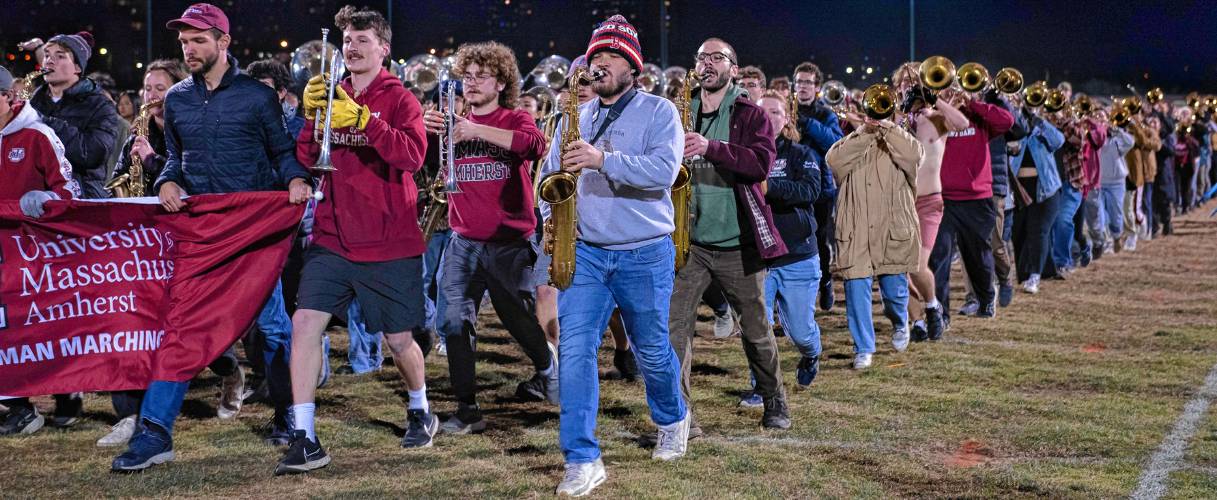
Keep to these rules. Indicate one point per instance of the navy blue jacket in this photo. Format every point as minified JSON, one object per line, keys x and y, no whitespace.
{"x":227,"y":140}
{"x":819,"y":127}
{"x":87,"y":123}
{"x":793,"y":186}
{"x":997,"y":146}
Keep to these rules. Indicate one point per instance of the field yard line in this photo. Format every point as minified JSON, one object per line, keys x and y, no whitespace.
{"x":1169,"y":455}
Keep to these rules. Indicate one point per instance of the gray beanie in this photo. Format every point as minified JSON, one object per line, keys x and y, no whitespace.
{"x":6,"y":80}
{"x":81,"y":45}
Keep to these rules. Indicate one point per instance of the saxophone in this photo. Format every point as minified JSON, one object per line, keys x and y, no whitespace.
{"x":558,"y":189}
{"x":27,"y":90}
{"x":131,"y":184}
{"x":682,"y":189}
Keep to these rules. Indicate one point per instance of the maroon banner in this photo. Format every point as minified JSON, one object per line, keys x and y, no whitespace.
{"x":102,"y":296}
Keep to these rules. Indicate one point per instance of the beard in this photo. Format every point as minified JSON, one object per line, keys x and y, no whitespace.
{"x":208,"y":63}
{"x":615,"y":86}
{"x":716,"y":84}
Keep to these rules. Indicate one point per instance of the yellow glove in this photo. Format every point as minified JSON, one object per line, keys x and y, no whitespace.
{"x":314,"y":96}
{"x":348,"y":113}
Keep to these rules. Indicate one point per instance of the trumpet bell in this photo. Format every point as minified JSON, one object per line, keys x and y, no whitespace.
{"x":937,"y":73}
{"x":306,"y":60}
{"x":879,"y":101}
{"x":1035,"y":95}
{"x":1055,"y":101}
{"x":973,"y":77}
{"x":1155,"y":95}
{"x":834,"y":93}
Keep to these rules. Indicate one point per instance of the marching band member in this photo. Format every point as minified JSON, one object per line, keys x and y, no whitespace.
{"x":239,"y":104}
{"x":733,"y":231}
{"x":820,"y":129}
{"x":628,"y":158}
{"x":1040,"y":179}
{"x":492,"y":221}
{"x":370,"y":251}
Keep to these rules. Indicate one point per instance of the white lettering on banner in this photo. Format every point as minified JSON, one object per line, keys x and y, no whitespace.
{"x":81,"y":307}
{"x":103,"y":343}
{"x":50,"y":279}
{"x":141,"y":237}
{"x":16,"y":355}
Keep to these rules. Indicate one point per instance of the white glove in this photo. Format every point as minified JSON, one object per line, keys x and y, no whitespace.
{"x":31,"y":202}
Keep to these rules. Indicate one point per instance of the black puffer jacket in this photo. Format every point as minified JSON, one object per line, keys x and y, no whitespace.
{"x":87,"y":123}
{"x":227,"y":140}
{"x":997,"y":147}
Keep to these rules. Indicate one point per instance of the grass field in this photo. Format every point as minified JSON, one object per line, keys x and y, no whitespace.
{"x":1066,"y":394}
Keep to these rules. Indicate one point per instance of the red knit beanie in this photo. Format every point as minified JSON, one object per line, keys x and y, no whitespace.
{"x":617,"y":35}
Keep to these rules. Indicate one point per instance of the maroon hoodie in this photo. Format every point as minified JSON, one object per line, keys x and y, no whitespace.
{"x":966,"y":169}
{"x":32,"y":158}
{"x":369,"y":213}
{"x":496,"y":198}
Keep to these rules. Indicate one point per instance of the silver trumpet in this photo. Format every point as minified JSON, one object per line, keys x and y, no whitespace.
{"x":323,"y":160}
{"x":447,"y":146}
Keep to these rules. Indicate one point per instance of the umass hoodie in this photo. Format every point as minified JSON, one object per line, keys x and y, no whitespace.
{"x":32,"y":158}
{"x":369,"y":213}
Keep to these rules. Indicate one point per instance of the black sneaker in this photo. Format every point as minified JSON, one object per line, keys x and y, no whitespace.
{"x":626,"y":365}
{"x":279,"y":432}
{"x":934,"y":324}
{"x":421,"y":426}
{"x":807,"y":370}
{"x":539,"y":388}
{"x":151,"y":445}
{"x":826,"y":298}
{"x":918,"y":333}
{"x":776,"y":416}
{"x":987,"y":311}
{"x":22,"y":421}
{"x":304,"y":455}
{"x":467,"y":420}
{"x":68,"y":408}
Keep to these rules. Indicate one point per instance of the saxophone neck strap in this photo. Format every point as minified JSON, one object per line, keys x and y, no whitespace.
{"x":614,"y":113}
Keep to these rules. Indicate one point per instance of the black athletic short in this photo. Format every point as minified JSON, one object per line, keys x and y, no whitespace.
{"x":390,"y":293}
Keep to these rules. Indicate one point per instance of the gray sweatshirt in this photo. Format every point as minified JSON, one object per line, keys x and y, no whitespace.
{"x":627,"y":204}
{"x":1112,"y":168}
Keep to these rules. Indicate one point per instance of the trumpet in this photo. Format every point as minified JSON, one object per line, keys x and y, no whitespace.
{"x":324,"y":164}
{"x":1082,"y":106}
{"x":1155,"y":95}
{"x":834,"y":93}
{"x":445,"y":182}
{"x":1120,"y":117}
{"x":879,"y":101}
{"x":1055,"y":101}
{"x":1035,"y":95}
{"x":27,"y":89}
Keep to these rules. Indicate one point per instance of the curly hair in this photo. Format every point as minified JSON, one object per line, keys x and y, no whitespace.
{"x":499,"y":60}
{"x":362,"y":19}
{"x":272,"y":69}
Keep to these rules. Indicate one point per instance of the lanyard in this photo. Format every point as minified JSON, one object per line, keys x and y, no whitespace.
{"x":614,"y":113}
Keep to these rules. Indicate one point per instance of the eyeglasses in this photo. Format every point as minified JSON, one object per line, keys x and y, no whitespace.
{"x":714,"y":57}
{"x":807,"y":83}
{"x":476,"y":79}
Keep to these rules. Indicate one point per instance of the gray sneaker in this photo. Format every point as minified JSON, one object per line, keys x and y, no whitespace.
{"x":673,"y":440}
{"x":581,"y":479}
{"x":467,"y":420}
{"x":724,"y":326}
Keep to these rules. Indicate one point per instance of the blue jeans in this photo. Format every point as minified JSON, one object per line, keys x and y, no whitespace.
{"x":1062,"y":228}
{"x":895,"y":291}
{"x":1112,"y":202}
{"x":364,"y":352}
{"x":276,"y":328}
{"x":163,"y":399}
{"x":433,"y":263}
{"x":639,"y":282}
{"x":794,"y":287}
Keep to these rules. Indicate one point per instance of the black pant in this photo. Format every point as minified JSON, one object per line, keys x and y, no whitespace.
{"x":1032,"y":231}
{"x":126,"y":403}
{"x":1163,"y":200}
{"x":968,"y":224}
{"x":825,"y":227}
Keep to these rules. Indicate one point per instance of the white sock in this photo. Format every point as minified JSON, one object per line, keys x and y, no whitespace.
{"x":418,"y":399}
{"x":302,"y":419}
{"x":932,"y":304}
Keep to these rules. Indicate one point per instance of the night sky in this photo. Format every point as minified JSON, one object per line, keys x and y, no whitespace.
{"x":1096,"y":43}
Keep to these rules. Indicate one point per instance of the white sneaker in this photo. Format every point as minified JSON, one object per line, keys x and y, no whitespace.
{"x":724,"y":326}
{"x":862,"y":361}
{"x":673,"y":440}
{"x":442,"y":349}
{"x":230,"y":395}
{"x":1032,"y":285}
{"x":1130,"y":243}
{"x":119,"y":434}
{"x":900,"y":339}
{"x":581,"y":479}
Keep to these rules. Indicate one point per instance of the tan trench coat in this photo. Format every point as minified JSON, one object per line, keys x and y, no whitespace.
{"x":876,"y":174}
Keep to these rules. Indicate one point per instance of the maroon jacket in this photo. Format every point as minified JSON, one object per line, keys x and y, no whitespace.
{"x":369,"y":211}
{"x":748,"y":154}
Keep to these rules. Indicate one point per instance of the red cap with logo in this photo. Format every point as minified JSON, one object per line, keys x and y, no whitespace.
{"x":201,"y":16}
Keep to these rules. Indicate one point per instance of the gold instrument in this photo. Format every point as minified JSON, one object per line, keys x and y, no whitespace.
{"x":1082,"y":106}
{"x":682,"y":189}
{"x":1008,"y":81}
{"x":559,"y":189}
{"x":1055,"y":101}
{"x":1210,"y":104}
{"x":879,"y":101}
{"x":1035,"y":95}
{"x":27,"y":89}
{"x":1133,"y":104}
{"x":1121,"y":117}
{"x":131,"y":184}
{"x":937,"y":73}
{"x":1194,"y":101}
{"x":324,"y":164}
{"x":1155,"y":95}
{"x":973,"y":77}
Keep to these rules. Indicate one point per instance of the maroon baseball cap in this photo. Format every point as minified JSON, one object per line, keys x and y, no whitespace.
{"x":201,"y":16}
